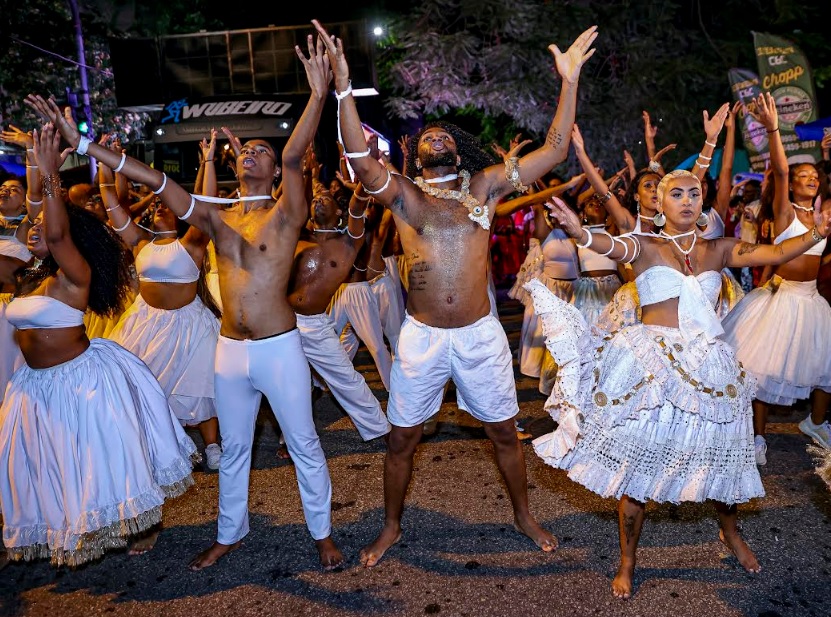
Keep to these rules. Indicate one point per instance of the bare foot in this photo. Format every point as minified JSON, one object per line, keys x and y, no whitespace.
{"x":622,"y":583}
{"x":531,"y":528}
{"x":210,"y":556}
{"x":372,"y":554}
{"x":283,"y":453}
{"x":330,"y":555}
{"x":741,"y":551}
{"x":144,"y":543}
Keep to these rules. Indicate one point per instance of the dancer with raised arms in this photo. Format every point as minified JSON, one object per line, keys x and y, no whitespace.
{"x":442,"y":218}
{"x":259,"y":349}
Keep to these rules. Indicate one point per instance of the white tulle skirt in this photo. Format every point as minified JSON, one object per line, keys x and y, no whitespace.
{"x":781,"y":333}
{"x":89,"y":450}
{"x":593,"y":293}
{"x":10,"y":357}
{"x":179,"y":348}
{"x":646,"y":413}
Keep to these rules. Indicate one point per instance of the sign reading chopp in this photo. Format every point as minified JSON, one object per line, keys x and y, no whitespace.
{"x":745,"y":87}
{"x":176,"y":111}
{"x":785,"y":73}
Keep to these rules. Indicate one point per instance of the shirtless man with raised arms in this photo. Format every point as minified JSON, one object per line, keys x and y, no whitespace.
{"x":449,"y":333}
{"x":259,"y":350}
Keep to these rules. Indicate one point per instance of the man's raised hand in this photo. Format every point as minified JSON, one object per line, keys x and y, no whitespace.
{"x":337,"y":59}
{"x":316,"y":65}
{"x":570,"y":62}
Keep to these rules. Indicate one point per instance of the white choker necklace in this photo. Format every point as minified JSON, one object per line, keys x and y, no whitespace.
{"x":803,"y":208}
{"x":685,"y":253}
{"x":446,"y":178}
{"x":334,"y":230}
{"x":476,"y":211}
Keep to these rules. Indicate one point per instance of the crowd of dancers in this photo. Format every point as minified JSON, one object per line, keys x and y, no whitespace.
{"x":128,"y":318}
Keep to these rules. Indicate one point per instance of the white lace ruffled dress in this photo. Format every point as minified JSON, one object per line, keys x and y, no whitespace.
{"x":647,"y":412}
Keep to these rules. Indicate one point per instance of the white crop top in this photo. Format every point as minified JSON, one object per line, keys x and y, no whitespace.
{"x":697,"y":295}
{"x":166,"y":263}
{"x":30,"y":312}
{"x":10,"y":246}
{"x":796,"y":228}
{"x":560,"y":256}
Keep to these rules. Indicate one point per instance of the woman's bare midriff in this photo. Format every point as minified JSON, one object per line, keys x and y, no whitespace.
{"x":167,"y":296}
{"x":802,"y":268}
{"x":48,"y":347}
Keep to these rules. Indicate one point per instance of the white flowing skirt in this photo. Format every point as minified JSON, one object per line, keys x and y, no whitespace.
{"x":10,"y":357}
{"x":593,"y":293}
{"x":643,"y":412}
{"x":89,"y":450}
{"x":179,"y":347}
{"x":782,"y":332}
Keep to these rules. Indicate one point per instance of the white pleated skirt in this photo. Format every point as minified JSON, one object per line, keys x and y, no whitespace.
{"x":593,"y":293}
{"x":179,"y":347}
{"x":647,"y":413}
{"x":89,"y":450}
{"x":10,"y":357}
{"x":782,"y":332}
{"x":532,"y":352}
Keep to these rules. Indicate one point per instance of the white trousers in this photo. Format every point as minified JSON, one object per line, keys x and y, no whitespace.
{"x":327,"y":356}
{"x":355,"y":304}
{"x":387,"y":292}
{"x":276,"y":367}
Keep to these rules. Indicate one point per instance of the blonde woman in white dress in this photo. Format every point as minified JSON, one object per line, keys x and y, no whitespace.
{"x":660,"y":410}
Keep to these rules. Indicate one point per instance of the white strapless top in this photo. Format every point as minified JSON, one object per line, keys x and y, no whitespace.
{"x":697,"y":295}
{"x":30,"y":312}
{"x":796,"y":228}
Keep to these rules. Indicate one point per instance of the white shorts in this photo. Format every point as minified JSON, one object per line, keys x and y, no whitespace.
{"x":476,"y":357}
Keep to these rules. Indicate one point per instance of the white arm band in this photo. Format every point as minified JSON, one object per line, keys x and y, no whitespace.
{"x":123,"y":227}
{"x":164,"y":184}
{"x":383,"y":188}
{"x":83,"y":145}
{"x":190,"y":210}
{"x":121,"y":164}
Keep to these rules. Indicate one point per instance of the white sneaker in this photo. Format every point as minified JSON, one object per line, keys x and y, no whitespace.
{"x":820,"y":433}
{"x":212,"y":454}
{"x":761,"y":447}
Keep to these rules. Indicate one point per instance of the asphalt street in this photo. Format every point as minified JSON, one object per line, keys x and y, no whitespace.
{"x":459,"y":555}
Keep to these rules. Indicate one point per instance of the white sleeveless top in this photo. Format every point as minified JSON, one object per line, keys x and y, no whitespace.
{"x":10,"y":246}
{"x":31,"y":312}
{"x":560,"y":256}
{"x":166,"y":263}
{"x":715,"y":226}
{"x":796,"y":228}
{"x":697,"y":295}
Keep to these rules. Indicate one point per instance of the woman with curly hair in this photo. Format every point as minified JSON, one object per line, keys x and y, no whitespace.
{"x":171,"y":326}
{"x":89,"y":448}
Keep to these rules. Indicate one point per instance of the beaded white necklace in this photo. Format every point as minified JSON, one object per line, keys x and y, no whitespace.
{"x":476,"y":211}
{"x":803,"y":208}
{"x":684,"y":252}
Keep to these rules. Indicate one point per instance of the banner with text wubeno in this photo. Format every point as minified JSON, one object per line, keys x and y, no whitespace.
{"x":785,"y":73}
{"x":745,"y":87}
